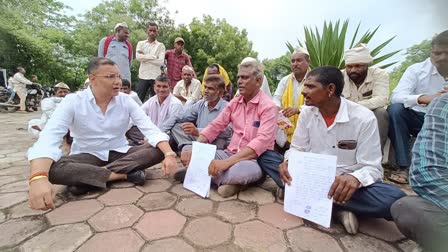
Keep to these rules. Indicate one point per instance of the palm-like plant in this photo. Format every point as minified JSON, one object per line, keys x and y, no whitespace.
{"x":328,"y":49}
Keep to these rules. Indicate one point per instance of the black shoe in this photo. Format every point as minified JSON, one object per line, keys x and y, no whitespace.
{"x":79,"y":190}
{"x":137,"y":177}
{"x":180,"y":175}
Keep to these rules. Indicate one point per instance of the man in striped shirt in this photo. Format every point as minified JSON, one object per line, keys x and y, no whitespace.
{"x":424,"y":218}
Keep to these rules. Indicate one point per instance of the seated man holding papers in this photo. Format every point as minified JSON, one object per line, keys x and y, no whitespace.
{"x":253,"y":116}
{"x":332,"y":125}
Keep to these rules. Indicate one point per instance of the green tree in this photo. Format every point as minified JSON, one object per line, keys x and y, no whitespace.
{"x":275,"y":69}
{"x":33,"y":35}
{"x":210,"y":41}
{"x":327,"y":47}
{"x":414,"y":54}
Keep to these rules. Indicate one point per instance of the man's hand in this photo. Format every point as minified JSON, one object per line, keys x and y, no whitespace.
{"x":426,"y":99}
{"x":288,"y":112}
{"x":41,"y":195}
{"x":185,"y":157}
{"x":169,"y":165}
{"x":190,"y":128}
{"x":284,"y":174}
{"x":140,"y":52}
{"x":216,"y":166}
{"x":343,"y":188}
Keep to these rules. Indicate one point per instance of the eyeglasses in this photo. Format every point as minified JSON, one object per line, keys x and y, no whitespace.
{"x":110,"y":77}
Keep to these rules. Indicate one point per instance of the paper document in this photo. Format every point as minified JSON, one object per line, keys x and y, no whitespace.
{"x":307,"y":196}
{"x":197,"y":179}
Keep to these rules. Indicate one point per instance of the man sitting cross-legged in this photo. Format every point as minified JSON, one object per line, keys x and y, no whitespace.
{"x":332,"y":125}
{"x":163,"y":109}
{"x":201,"y":114}
{"x":254,"y":118}
{"x":98,"y":118}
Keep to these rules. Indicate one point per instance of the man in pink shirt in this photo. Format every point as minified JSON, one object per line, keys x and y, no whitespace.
{"x":253,"y":116}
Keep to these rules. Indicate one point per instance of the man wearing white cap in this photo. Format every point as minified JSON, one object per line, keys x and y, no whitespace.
{"x":48,"y":106}
{"x":188,"y":90}
{"x":367,"y":86}
{"x":288,"y":96}
{"x":117,"y":48}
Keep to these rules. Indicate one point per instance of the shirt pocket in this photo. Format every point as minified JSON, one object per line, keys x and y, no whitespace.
{"x":346,"y":157}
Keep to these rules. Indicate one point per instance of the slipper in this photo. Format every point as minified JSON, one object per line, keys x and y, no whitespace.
{"x":399,"y":177}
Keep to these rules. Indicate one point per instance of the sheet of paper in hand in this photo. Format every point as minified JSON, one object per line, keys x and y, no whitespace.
{"x":197,"y":179}
{"x":312,"y":176}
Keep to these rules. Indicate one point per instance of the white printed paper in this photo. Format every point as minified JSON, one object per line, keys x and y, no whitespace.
{"x":197,"y":179}
{"x":312,"y":176}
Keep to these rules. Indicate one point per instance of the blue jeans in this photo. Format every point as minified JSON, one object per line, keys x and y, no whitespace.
{"x":403,"y":122}
{"x":371,"y":201}
{"x":12,"y":94}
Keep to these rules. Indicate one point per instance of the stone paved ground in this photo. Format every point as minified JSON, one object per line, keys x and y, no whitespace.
{"x":161,"y":216}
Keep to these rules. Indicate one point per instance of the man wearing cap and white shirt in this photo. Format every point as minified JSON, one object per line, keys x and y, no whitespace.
{"x":288,"y":96}
{"x":48,"y":106}
{"x":150,"y":53}
{"x":367,"y":86}
{"x":117,"y":48}
{"x":419,"y":85}
{"x":264,"y":85}
{"x":188,"y":90}
{"x":176,"y":59}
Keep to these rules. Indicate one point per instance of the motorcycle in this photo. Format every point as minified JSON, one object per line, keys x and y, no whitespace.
{"x":33,"y":98}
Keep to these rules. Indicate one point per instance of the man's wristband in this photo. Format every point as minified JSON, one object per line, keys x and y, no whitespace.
{"x":41,"y":173}
{"x":37,"y":177}
{"x":170,"y":153}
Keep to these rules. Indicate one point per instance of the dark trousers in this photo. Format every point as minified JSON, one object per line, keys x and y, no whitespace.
{"x":142,"y":88}
{"x":88,"y":170}
{"x":135,"y":136}
{"x":370,"y":201}
{"x":423,"y":222}
{"x":403,"y":122}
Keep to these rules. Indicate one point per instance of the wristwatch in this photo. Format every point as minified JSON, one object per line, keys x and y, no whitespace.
{"x":170,"y":153}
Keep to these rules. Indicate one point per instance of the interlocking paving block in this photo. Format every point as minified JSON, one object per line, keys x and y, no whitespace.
{"x":277,"y":217}
{"x":365,"y":243}
{"x":308,"y":239}
{"x":15,"y":231}
{"x":157,"y":201}
{"x":381,"y":229}
{"x":115,"y":217}
{"x":114,"y":241}
{"x":195,"y":206}
{"x":160,"y":224}
{"x":208,"y":232}
{"x":256,"y":195}
{"x":120,"y":196}
{"x":10,"y":199}
{"x":151,"y":186}
{"x":64,"y":238}
{"x":180,"y":191}
{"x":169,"y":245}
{"x":258,"y":236}
{"x":236,"y":211}
{"x":75,"y":211}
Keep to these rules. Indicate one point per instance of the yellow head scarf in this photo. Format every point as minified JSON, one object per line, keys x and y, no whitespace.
{"x":222,"y":72}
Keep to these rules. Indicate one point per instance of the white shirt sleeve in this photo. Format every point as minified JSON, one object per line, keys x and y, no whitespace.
{"x":21,"y":79}
{"x":265,"y":87}
{"x":279,"y":91}
{"x":403,"y":91}
{"x":175,"y":112}
{"x":196,"y":92}
{"x":47,"y":146}
{"x":301,"y":142}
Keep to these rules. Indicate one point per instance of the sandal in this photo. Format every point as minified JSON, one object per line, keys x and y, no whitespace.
{"x":399,"y":177}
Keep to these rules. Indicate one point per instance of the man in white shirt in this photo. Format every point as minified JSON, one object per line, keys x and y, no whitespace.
{"x":151,"y":54}
{"x":126,"y":88}
{"x":10,"y":88}
{"x":163,"y":109}
{"x":188,"y":90}
{"x":97,"y":118}
{"x":287,"y":95}
{"x":367,"y":86}
{"x":419,"y":85}
{"x":48,"y":106}
{"x":332,"y":125}
{"x":19,"y":82}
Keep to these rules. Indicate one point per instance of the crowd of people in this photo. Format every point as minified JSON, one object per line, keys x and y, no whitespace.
{"x":118,"y":133}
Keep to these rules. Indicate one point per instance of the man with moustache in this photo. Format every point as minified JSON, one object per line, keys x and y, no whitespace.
{"x":97,"y":118}
{"x":176,"y":59}
{"x":368,"y":86}
{"x":188,"y":90}
{"x":253,"y":117}
{"x":287,"y":96}
{"x":117,"y":48}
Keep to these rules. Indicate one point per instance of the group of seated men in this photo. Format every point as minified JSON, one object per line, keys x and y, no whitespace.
{"x":333,"y":112}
